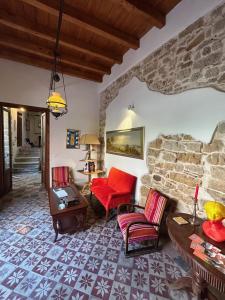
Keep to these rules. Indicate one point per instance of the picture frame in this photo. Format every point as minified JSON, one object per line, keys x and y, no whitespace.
{"x":72,"y":139}
{"x":128,"y":142}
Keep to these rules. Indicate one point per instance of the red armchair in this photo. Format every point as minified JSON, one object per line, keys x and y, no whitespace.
{"x":117,"y":188}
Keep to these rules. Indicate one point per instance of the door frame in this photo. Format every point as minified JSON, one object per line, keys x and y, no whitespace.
{"x":47,"y":140}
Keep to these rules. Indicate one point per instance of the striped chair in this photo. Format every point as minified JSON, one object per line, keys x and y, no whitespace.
{"x":137,"y":227}
{"x":60,"y":176}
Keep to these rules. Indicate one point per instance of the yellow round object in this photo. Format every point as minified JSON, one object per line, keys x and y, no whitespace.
{"x":214,"y":210}
{"x":56,"y":101}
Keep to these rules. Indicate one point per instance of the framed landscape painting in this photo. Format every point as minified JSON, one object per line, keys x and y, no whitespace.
{"x":129,"y":142}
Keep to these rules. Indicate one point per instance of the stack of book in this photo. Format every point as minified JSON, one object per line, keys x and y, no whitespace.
{"x":207,"y":252}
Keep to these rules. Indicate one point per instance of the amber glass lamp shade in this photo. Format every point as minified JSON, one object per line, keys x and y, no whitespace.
{"x":57,"y":105}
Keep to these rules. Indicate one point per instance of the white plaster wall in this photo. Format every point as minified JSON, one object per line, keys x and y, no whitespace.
{"x":194,"y":112}
{"x":23,"y":84}
{"x":184,"y":14}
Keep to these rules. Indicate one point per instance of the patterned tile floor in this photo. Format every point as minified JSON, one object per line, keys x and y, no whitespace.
{"x":86,"y":265}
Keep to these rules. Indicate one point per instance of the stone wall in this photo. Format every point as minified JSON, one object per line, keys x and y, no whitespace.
{"x":177,"y":162}
{"x":193,"y":59}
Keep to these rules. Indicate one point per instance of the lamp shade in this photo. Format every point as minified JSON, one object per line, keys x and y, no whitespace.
{"x":57,"y":105}
{"x":89,"y":139}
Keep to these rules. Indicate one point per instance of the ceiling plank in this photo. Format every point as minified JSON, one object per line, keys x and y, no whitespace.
{"x":155,"y":16}
{"x":29,"y":60}
{"x":85,"y":21}
{"x":21,"y":24}
{"x":41,"y":51}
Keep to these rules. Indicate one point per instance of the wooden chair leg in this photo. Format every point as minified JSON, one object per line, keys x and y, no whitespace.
{"x":107,"y":215}
{"x":126,"y":248}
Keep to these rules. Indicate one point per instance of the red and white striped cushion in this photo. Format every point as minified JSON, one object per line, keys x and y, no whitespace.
{"x":137,"y":232}
{"x":154,"y":207}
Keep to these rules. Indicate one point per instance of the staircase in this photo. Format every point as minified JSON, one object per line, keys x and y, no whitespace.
{"x":27,"y":160}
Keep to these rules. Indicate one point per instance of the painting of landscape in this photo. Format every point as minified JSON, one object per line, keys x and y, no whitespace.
{"x":128,"y":142}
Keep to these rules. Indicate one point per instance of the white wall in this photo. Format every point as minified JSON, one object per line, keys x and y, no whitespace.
{"x":23,"y":84}
{"x":194,"y":112}
{"x":184,"y":14}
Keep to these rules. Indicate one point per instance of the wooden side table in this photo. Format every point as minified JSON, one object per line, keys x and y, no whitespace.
{"x":87,"y":184}
{"x":202,"y":272}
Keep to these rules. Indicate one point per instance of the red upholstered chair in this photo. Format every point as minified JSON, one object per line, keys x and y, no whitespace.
{"x":137,"y":227}
{"x":117,"y":188}
{"x":60,"y":176}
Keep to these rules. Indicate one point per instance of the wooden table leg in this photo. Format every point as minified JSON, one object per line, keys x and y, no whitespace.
{"x":198,"y":285}
{"x":195,"y":283}
{"x":55,"y":226}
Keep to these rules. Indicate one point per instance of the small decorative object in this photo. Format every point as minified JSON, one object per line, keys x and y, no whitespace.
{"x":214,"y":227}
{"x":180,"y":220}
{"x":129,"y":142}
{"x":193,"y":220}
{"x":72,"y":139}
{"x":91,"y":166}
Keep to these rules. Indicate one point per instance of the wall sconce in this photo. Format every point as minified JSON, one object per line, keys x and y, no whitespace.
{"x":131,"y":107}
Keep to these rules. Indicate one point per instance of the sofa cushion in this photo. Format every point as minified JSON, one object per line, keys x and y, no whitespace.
{"x":121,"y":181}
{"x":102,"y":192}
{"x":137,"y":232}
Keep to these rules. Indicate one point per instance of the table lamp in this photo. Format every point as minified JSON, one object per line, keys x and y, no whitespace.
{"x":89,"y":139}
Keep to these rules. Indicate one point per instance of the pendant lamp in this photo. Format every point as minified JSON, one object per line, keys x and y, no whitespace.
{"x":56,"y":103}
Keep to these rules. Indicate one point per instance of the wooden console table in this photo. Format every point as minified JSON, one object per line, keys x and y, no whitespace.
{"x":202,"y":272}
{"x":69,"y":219}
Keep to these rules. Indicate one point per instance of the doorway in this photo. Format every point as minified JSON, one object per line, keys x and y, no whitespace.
{"x":24,"y":145}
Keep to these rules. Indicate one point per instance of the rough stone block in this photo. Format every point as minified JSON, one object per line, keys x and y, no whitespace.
{"x":217,"y":185}
{"x":157,"y":177}
{"x":193,"y":169}
{"x":196,"y":41}
{"x":197,"y":24}
{"x":153,"y":152}
{"x":144,"y":191}
{"x":169,"y":156}
{"x":193,"y":146}
{"x":211,"y":59}
{"x":156,"y":143}
{"x":206,"y":50}
{"x":173,"y":146}
{"x":215,"y":146}
{"x":183,"y":178}
{"x":218,"y":196}
{"x":219,"y":26}
{"x":146,"y":180}
{"x":189,"y":157}
{"x":218,"y":172}
{"x":216,"y":159}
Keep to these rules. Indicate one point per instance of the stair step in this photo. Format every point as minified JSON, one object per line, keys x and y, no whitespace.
{"x":27,"y":159}
{"x":26,"y":163}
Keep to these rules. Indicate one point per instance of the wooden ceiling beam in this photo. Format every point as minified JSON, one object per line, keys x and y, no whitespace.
{"x":41,"y":51}
{"x":155,"y":17}
{"x":20,"y":24}
{"x":78,"y":18}
{"x":29,"y":60}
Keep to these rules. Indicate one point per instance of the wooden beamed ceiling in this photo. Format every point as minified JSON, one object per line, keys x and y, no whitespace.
{"x":95,"y":34}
